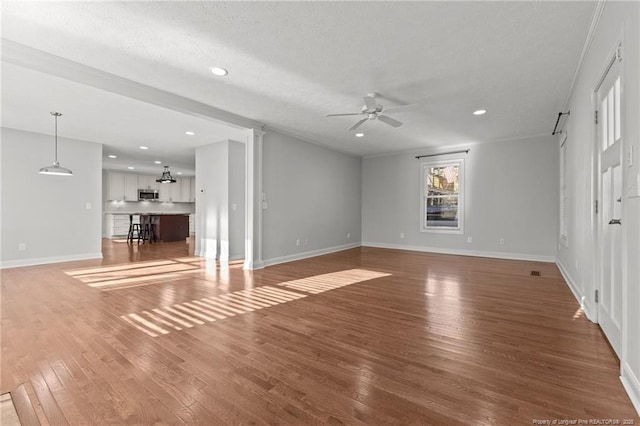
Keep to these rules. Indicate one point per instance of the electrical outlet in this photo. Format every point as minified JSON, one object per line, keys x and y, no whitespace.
{"x":306,"y":241}
{"x":22,"y":247}
{"x":501,"y":241}
{"x":402,"y":235}
{"x":348,"y":235}
{"x":469,"y":240}
{"x":298,"y":243}
{"x":88,"y":206}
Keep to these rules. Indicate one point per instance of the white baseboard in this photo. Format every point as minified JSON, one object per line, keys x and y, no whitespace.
{"x":252,"y":266}
{"x":584,"y":302}
{"x":307,"y":254}
{"x":475,"y":253}
{"x":631,"y":385}
{"x":47,"y":260}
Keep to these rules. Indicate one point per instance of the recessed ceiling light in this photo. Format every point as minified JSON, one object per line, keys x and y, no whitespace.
{"x":189,"y":133}
{"x":131,"y":168}
{"x":479,"y":112}
{"x":359,"y":135}
{"x":158,"y":162}
{"x":220,"y":72}
{"x":144,"y":147}
{"x":179,"y":173}
{"x":113,"y":156}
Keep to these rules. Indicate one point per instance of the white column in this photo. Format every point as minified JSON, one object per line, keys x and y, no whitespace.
{"x":253,"y":201}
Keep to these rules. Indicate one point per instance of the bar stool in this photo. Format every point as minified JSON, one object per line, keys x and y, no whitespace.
{"x":148,"y":232}
{"x":134,"y":228}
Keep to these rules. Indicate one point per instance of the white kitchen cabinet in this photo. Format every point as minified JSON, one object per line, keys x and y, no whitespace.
{"x":192,"y":189}
{"x":185,"y":188}
{"x":164,"y":191}
{"x":147,"y":182}
{"x":115,"y":186}
{"x":130,"y":187}
{"x":176,"y":190}
{"x":118,"y":225}
{"x":122,"y":186}
{"x":170,"y":192}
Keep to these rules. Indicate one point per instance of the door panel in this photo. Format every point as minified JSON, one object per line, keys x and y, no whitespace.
{"x":610,"y":193}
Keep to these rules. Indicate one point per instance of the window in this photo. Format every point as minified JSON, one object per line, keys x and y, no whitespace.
{"x":442,"y":198}
{"x":563,"y":190}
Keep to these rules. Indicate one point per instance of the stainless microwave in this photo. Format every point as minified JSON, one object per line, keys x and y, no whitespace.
{"x":148,"y":195}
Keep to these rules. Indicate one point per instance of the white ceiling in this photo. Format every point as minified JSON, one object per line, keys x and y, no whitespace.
{"x":291,"y":63}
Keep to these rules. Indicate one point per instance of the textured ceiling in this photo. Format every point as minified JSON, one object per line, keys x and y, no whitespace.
{"x":291,"y":63}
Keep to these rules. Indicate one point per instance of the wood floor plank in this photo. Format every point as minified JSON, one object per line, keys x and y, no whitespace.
{"x":363,"y":336}
{"x":24,"y":406}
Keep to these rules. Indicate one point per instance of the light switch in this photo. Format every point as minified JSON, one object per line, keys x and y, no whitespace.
{"x":264,"y":205}
{"x":234,"y":207}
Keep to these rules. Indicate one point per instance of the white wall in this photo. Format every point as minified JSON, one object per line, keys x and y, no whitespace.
{"x":220,"y":184}
{"x":48,"y":213}
{"x":313,"y":195}
{"x":620,"y":21}
{"x":212,"y":199}
{"x":511,"y":193}
{"x":236,"y":200}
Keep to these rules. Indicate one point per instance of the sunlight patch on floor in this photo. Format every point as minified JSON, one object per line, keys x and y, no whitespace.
{"x":115,"y":277}
{"x":321,"y":283}
{"x":162,"y":321}
{"x":8,"y":414}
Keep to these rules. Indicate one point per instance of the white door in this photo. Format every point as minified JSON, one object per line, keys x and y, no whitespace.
{"x":610,"y":226}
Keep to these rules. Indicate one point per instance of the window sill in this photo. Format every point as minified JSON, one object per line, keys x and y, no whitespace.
{"x":442,"y":231}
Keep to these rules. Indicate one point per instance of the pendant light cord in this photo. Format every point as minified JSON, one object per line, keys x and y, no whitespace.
{"x":56,"y":139}
{"x":55,"y":145}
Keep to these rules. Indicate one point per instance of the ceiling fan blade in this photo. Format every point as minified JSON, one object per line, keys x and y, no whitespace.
{"x":340,"y":115}
{"x":370,"y":102}
{"x":390,"y":121}
{"x":399,"y":108}
{"x":358,"y":124}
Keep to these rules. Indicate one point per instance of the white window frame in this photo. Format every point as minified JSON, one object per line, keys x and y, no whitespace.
{"x":424,"y":166}
{"x":564,"y":213}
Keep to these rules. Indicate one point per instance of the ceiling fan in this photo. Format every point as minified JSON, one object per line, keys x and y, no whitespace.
{"x":373,"y":111}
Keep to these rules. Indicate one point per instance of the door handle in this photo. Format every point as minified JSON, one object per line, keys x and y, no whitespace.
{"x":615,"y":222}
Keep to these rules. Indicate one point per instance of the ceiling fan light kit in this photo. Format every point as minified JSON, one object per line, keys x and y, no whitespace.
{"x":55,"y":168}
{"x":374,"y":111}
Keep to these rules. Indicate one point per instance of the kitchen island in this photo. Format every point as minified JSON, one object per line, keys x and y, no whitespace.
{"x":166,"y":226}
{"x":169,"y":226}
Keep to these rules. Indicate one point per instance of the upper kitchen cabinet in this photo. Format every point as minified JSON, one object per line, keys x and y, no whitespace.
{"x":122,"y":186}
{"x":147,"y":182}
{"x":179,"y":192}
{"x":164,"y":191}
{"x":185,"y":189}
{"x":130,"y":187}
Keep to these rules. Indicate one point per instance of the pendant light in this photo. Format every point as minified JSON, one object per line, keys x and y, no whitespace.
{"x":55,"y":169}
{"x":166,"y":176}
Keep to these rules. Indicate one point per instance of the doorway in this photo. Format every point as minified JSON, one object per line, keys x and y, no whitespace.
{"x":609,"y":131}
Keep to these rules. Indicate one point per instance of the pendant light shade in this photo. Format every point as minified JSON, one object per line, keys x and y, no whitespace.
{"x":56,"y":169}
{"x":166,"y":176}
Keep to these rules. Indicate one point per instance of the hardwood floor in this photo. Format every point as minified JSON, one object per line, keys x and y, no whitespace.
{"x":150,"y":334}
